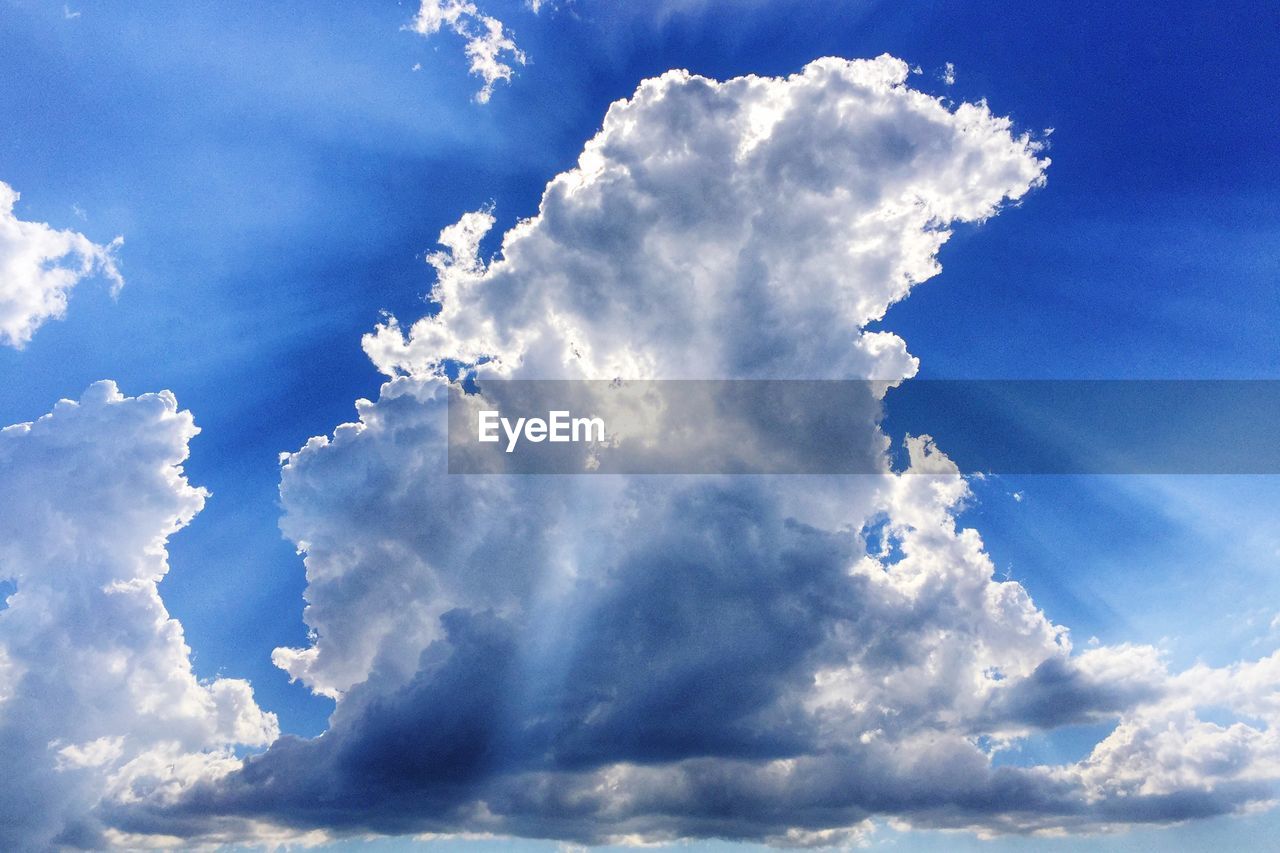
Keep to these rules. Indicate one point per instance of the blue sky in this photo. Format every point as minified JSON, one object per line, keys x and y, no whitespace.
{"x":278,"y":171}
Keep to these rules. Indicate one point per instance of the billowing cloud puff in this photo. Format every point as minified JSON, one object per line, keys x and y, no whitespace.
{"x":788,"y":659}
{"x":39,"y":265}
{"x":747,"y":229}
{"x":729,"y":230}
{"x":98,"y":701}
{"x":489,"y":45}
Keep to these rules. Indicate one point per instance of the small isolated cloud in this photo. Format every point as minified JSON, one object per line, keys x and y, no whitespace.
{"x":489,"y":44}
{"x":98,"y":702}
{"x":39,"y":266}
{"x":68,"y":14}
{"x":949,"y":73}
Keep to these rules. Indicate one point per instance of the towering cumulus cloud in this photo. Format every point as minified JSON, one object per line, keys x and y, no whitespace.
{"x":39,"y":266}
{"x":99,"y":707}
{"x":644,"y":658}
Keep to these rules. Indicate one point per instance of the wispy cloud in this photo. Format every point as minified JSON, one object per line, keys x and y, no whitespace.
{"x":39,"y":266}
{"x":489,"y":45}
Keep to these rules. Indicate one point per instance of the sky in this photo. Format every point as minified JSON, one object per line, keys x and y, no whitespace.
{"x":279,"y":174}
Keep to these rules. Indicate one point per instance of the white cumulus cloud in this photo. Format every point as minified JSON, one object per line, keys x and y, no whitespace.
{"x":642,"y":659}
{"x":599,"y":658}
{"x":39,"y":266}
{"x":98,"y":702}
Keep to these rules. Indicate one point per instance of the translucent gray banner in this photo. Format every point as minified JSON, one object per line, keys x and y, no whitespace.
{"x":852,"y":426}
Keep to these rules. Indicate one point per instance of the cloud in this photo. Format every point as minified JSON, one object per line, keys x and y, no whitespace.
{"x":98,"y":702}
{"x":591,"y":658}
{"x":489,"y":45}
{"x":749,"y":228}
{"x":39,"y":265}
{"x":784,"y":659}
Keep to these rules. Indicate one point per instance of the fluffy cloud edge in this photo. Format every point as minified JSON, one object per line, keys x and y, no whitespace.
{"x":39,"y":266}
{"x":100,"y":704}
{"x":489,"y":45}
